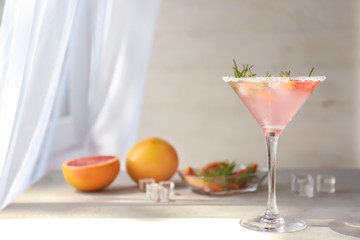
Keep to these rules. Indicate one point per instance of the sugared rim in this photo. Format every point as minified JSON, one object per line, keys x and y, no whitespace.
{"x":275,"y":79}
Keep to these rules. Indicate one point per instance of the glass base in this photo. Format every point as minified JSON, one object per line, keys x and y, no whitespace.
{"x":279,"y":224}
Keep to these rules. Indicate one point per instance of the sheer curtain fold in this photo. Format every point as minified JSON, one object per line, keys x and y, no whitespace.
{"x":72,"y":76}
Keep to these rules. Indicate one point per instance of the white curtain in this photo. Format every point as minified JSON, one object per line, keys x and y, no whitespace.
{"x":72,"y":77}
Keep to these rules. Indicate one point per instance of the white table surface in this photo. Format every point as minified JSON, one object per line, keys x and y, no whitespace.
{"x":51,"y":203}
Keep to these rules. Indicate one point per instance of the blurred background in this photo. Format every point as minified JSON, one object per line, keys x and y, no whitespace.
{"x":187,"y":103}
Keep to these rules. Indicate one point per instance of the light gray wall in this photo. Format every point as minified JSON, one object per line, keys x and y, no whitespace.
{"x":187,"y":103}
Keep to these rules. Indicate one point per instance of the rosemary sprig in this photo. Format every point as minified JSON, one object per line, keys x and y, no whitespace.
{"x":285,"y":73}
{"x":251,"y":74}
{"x":236,"y":71}
{"x":311,"y":72}
{"x":244,"y":71}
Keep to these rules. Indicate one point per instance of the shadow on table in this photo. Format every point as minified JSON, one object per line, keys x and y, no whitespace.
{"x":116,"y":190}
{"x":347,"y":226}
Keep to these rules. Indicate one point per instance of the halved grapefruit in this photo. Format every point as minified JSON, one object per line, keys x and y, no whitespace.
{"x":91,"y":173}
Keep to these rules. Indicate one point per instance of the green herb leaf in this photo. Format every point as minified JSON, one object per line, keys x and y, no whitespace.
{"x":224,"y":169}
{"x":285,"y":73}
{"x":311,"y":72}
{"x":236,"y":71}
{"x":244,"y":71}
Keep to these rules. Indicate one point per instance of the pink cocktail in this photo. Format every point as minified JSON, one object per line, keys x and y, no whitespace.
{"x":272,"y":101}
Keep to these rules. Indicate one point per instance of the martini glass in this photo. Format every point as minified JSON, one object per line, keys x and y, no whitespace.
{"x":273,"y":101}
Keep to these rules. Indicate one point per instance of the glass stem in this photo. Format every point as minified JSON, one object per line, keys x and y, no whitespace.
{"x":271,"y":139}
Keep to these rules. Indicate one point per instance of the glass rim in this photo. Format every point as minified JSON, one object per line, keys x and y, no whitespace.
{"x":260,"y":172}
{"x":275,"y":79}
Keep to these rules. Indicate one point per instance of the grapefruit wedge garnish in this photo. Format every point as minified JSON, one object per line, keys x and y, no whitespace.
{"x":189,"y":171}
{"x":306,"y":86}
{"x":91,"y":173}
{"x":213,"y":166}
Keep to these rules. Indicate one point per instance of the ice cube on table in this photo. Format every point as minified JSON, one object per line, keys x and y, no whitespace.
{"x":149,"y":188}
{"x":302,"y":184}
{"x":156,"y":192}
{"x":325,"y":183}
{"x":144,"y":182}
{"x":169,"y":185}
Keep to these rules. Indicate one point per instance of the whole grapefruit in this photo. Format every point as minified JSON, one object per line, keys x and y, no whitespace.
{"x":91,"y":173}
{"x":152,"y":158}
